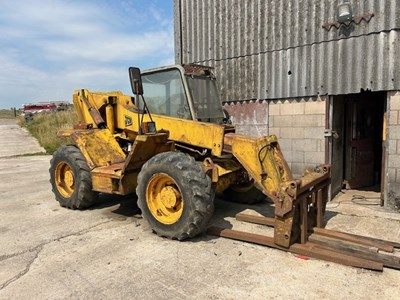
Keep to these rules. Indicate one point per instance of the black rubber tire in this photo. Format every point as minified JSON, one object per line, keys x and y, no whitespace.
{"x":195,"y":188}
{"x":252,"y":196}
{"x":83,"y":196}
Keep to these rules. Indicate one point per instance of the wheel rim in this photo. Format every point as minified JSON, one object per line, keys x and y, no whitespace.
{"x":164,"y":199}
{"x":65,"y":180}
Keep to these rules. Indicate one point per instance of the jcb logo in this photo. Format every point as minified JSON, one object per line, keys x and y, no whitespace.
{"x":128,"y":121}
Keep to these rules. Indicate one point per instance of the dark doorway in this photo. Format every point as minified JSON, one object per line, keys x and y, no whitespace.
{"x":357,"y":147}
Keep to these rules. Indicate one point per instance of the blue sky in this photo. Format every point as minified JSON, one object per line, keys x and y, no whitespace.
{"x":48,"y":48}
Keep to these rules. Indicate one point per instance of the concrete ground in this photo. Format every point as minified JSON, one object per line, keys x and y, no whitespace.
{"x":107,"y":252}
{"x":16,"y":141}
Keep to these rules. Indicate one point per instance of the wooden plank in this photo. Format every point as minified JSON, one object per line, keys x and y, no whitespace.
{"x":341,"y":244}
{"x":386,"y":246}
{"x":255,"y":219}
{"x":307,"y":249}
{"x":361,"y":251}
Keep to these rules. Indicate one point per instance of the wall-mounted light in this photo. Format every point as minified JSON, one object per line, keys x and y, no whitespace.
{"x":344,"y":17}
{"x":344,"y":13}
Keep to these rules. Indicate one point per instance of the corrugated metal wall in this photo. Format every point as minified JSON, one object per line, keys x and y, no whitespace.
{"x":279,"y":49}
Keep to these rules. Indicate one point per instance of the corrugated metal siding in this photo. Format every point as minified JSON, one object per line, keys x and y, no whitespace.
{"x":254,"y":46}
{"x":341,"y":67}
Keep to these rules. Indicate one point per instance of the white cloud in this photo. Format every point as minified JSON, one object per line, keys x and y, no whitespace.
{"x":48,"y":50}
{"x":110,"y":46}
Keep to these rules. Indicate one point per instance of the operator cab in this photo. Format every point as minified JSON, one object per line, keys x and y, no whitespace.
{"x":187,"y":92}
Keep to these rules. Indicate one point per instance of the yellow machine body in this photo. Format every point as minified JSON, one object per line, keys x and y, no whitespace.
{"x":108,"y":120}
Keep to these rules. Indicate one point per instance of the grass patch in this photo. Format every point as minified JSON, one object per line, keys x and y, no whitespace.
{"x":44,"y":128}
{"x":8,"y":113}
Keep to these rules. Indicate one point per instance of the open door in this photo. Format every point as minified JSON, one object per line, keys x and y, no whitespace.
{"x":359,"y":171}
{"x":363,"y":148}
{"x":357,"y":150}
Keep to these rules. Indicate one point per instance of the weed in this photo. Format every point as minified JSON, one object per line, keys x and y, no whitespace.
{"x":8,"y":113}
{"x":44,"y":128}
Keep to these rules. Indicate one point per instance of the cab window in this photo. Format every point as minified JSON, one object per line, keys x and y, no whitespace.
{"x":165,"y":95}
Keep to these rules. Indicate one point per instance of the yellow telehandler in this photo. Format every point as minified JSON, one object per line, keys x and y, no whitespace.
{"x":176,"y":148}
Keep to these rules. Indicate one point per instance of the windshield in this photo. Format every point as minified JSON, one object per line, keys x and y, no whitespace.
{"x":165,"y":95}
{"x":205,"y":97}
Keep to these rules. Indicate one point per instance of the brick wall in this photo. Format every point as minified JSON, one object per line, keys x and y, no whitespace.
{"x":299,"y":125}
{"x":393,"y":151}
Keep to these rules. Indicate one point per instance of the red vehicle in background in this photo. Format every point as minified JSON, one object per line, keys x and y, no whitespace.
{"x":45,"y":107}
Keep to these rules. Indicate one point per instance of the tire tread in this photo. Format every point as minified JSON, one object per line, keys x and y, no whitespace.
{"x":193,"y":177}
{"x":83,"y":196}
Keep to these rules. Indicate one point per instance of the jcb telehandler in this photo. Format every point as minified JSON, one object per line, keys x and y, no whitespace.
{"x":175,"y":148}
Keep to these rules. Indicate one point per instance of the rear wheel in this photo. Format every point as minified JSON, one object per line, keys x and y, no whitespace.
{"x":245,"y":193}
{"x":70,"y":178}
{"x":175,"y":195}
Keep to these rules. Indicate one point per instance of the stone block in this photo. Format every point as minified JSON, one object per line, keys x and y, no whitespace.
{"x":321,"y":145}
{"x":294,"y":108}
{"x":306,"y":145}
{"x":287,"y":155}
{"x":393,"y":117}
{"x":394,"y":103}
{"x":394,"y":160}
{"x":314,"y":132}
{"x":292,"y":133}
{"x":282,"y":121}
{"x":276,"y":131}
{"x":315,"y":108}
{"x":307,"y":121}
{"x":274,"y":109}
{"x":391,"y":175}
{"x":321,"y":120}
{"x":285,"y":144}
{"x":297,"y":156}
{"x":393,"y":132}
{"x":314,"y":158}
{"x":392,"y":146}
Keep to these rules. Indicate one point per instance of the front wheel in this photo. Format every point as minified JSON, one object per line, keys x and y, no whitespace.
{"x":175,"y":195}
{"x":70,"y":178}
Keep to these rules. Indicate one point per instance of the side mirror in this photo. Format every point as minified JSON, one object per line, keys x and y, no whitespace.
{"x":136,"y":80}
